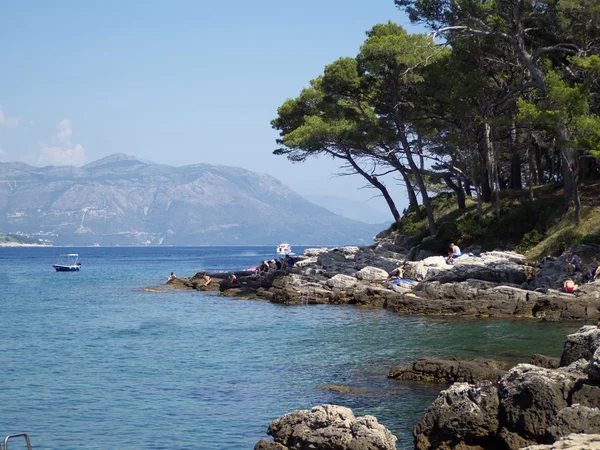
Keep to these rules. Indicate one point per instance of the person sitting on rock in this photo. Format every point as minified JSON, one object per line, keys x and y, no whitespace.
{"x":290,"y":261}
{"x":453,"y":254}
{"x":573,"y":264}
{"x":262,"y":268}
{"x":206,"y":280}
{"x":570,"y":286}
{"x":595,"y":268}
{"x":233,"y":279}
{"x":398,"y":272}
{"x":278,"y":264}
{"x":171,"y":277}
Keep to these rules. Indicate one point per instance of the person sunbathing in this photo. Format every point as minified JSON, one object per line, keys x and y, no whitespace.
{"x":206,"y":280}
{"x":570,"y":286}
{"x":398,"y":272}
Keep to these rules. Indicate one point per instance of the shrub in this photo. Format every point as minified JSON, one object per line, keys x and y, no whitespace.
{"x":530,"y":240}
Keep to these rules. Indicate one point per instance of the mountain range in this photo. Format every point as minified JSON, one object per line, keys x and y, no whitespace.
{"x":122,"y":200}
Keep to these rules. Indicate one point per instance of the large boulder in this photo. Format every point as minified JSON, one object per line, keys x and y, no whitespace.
{"x":371,"y":275}
{"x":532,"y":396}
{"x":498,"y":267}
{"x":593,"y":368}
{"x":426,"y":268}
{"x":341,"y":282}
{"x":575,"y":419}
{"x":327,"y":427}
{"x":461,"y":413}
{"x":581,"y":345}
{"x":310,"y":252}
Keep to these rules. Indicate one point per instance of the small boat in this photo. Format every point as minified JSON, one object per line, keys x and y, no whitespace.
{"x":67,"y":262}
{"x":284,"y":249}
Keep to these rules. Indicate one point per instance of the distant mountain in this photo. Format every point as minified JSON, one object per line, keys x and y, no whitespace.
{"x":352,"y":209}
{"x":121,"y":200}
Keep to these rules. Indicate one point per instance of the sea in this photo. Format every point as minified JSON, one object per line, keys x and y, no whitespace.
{"x":91,"y":360}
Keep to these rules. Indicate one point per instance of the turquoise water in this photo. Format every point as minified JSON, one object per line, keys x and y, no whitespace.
{"x":88,"y":360}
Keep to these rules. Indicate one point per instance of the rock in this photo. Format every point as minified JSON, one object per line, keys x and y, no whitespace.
{"x":553,"y":272}
{"x":349,"y":250}
{"x":462,"y":412}
{"x":586,"y":393}
{"x":265,"y":444}
{"x":450,"y":371}
{"x":531,"y":397}
{"x":310,"y":252}
{"x":544,"y":361}
{"x":571,"y":442}
{"x":371,"y":274}
{"x":341,"y":282}
{"x":575,"y":419}
{"x":423,"y":269}
{"x":306,"y":262}
{"x":593,"y":368}
{"x":328,"y":427}
{"x":581,"y":344}
{"x":498,"y":267}
{"x":343,"y":389}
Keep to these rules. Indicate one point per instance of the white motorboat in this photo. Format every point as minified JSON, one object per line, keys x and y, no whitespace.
{"x":284,"y":249}
{"x":67,"y":262}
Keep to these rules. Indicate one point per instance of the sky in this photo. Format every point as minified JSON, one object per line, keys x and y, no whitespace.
{"x":174,"y":82}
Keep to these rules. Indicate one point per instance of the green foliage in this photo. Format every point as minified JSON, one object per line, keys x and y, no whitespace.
{"x":530,"y":240}
{"x":410,"y":226}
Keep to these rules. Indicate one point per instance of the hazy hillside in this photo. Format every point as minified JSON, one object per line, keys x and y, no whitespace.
{"x":352,"y":209}
{"x":122,"y":200}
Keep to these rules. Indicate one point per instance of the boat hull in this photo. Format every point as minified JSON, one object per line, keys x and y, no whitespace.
{"x":60,"y":268}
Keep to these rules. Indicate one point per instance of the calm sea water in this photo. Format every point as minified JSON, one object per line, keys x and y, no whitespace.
{"x":89,"y":360}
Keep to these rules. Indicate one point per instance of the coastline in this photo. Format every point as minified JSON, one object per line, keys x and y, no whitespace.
{"x":17,"y":244}
{"x":497,"y":284}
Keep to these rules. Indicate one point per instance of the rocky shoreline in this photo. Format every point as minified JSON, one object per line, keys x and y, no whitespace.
{"x":526,"y":406}
{"x":492,"y":284}
{"x":491,"y":404}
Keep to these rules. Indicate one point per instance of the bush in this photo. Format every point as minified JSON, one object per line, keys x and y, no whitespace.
{"x":530,"y":240}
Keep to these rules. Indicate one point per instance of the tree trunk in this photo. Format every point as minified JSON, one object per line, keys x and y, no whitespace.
{"x":484,"y":186}
{"x":570,"y":171}
{"x":422,"y":186}
{"x":515,"y":158}
{"x":467,"y":187}
{"x":418,"y":175}
{"x":413,"y":203}
{"x":491,"y":164}
{"x":460,"y":194}
{"x":377,"y":184}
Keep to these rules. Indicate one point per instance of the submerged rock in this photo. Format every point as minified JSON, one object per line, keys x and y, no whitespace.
{"x":327,"y":427}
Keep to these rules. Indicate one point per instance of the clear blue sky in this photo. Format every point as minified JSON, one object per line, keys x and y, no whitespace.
{"x":175,"y":82}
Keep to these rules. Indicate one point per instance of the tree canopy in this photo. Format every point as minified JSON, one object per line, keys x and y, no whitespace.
{"x":499,"y":94}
